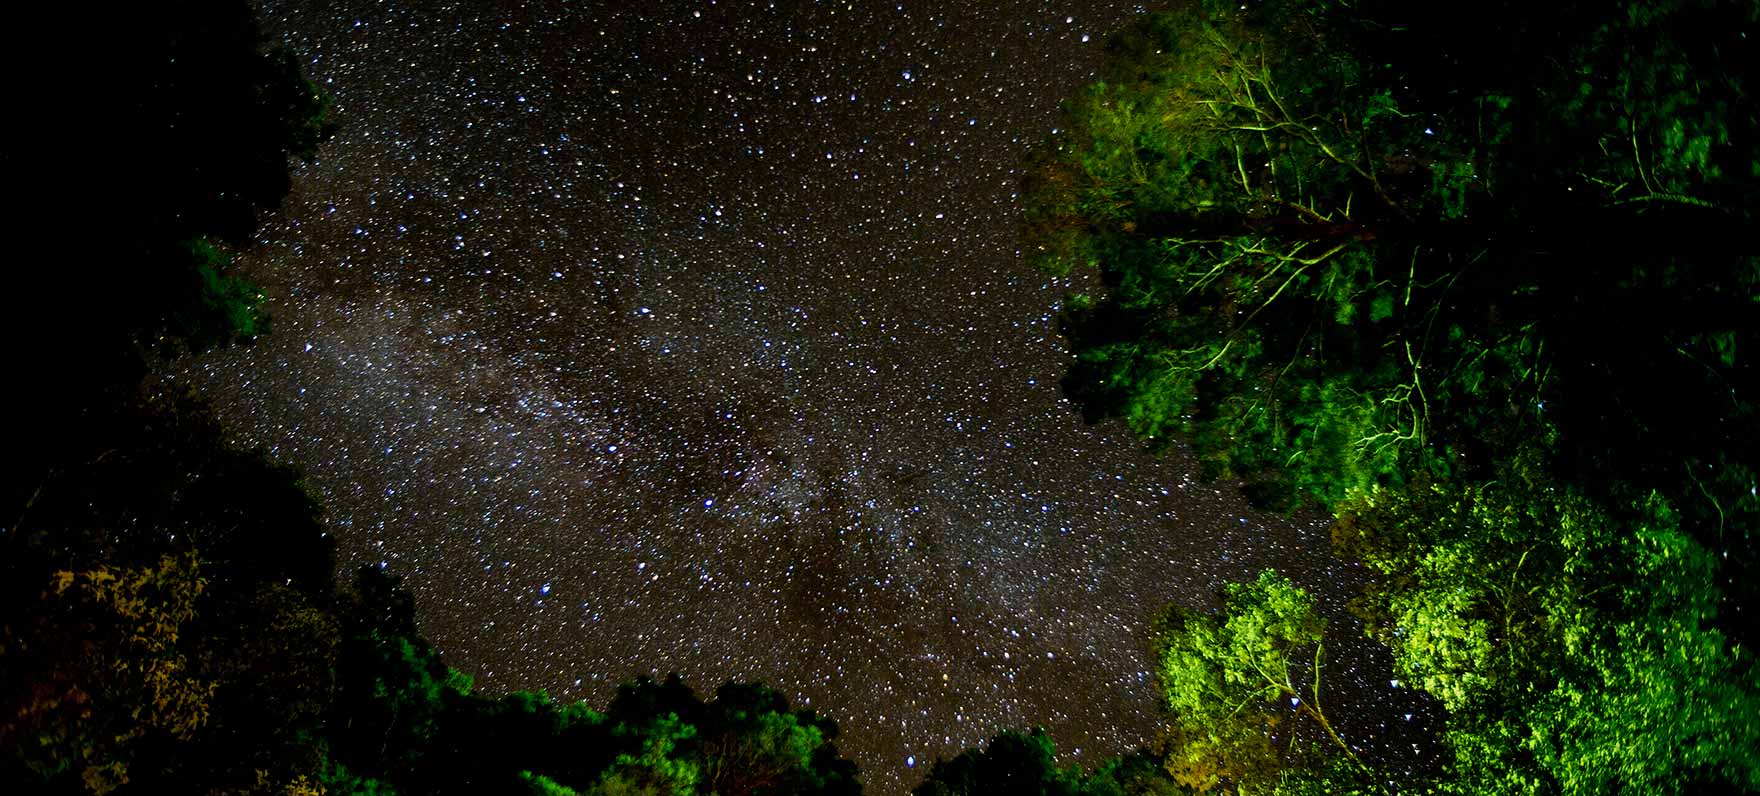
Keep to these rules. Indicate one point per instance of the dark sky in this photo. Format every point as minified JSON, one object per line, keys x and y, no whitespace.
{"x":644,"y":337}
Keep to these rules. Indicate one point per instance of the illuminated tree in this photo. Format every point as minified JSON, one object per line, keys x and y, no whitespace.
{"x":98,"y":667}
{"x":1231,"y":680}
{"x":1575,"y":651}
{"x":1343,"y":243}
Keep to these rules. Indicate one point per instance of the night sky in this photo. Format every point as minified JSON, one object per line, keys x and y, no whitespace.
{"x":694,"y":336}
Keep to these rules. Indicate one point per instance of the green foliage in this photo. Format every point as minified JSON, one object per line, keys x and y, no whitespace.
{"x":744,"y":741}
{"x":1211,"y":665}
{"x":1344,"y":244}
{"x":1139,"y":774}
{"x":1663,"y":87}
{"x":1236,"y":216}
{"x":1230,"y":679}
{"x":222,"y":309}
{"x":658,"y":768}
{"x":764,"y":750}
{"x":1575,"y":651}
{"x":1464,"y":275}
{"x":1479,"y":278}
{"x":122,"y":670}
{"x":155,"y":483}
{"x":139,"y":680}
{"x":337,"y":780}
{"x":541,"y":785}
{"x":395,"y":691}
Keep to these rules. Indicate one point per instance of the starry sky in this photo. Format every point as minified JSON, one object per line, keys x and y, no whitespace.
{"x":650,"y":337}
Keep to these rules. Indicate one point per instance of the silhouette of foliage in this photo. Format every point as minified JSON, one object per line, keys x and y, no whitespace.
{"x":139,"y":179}
{"x":1023,"y":764}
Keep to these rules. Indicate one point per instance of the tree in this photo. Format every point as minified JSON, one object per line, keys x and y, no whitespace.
{"x":745,"y":741}
{"x":1231,"y":679}
{"x":1344,"y":243}
{"x":658,"y":769}
{"x":172,"y":621}
{"x":1025,"y":764}
{"x":1575,"y":652}
{"x":271,"y":652}
{"x":393,"y":691}
{"x":1203,"y":184}
{"x":140,"y":174}
{"x":258,"y":633}
{"x":1137,"y":774}
{"x":183,"y":138}
{"x":1012,"y":764}
{"x":98,"y":668}
{"x":753,"y":744}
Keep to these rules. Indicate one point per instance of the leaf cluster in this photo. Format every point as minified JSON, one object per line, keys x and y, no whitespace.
{"x":1576,"y":652}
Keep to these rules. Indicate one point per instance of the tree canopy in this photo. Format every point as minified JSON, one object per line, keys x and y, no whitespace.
{"x":1572,"y":649}
{"x":1479,"y":280}
{"x":152,"y":141}
{"x":179,"y":139}
{"x":1343,"y":243}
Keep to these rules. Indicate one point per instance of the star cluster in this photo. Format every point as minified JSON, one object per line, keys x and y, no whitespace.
{"x":694,"y":336}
